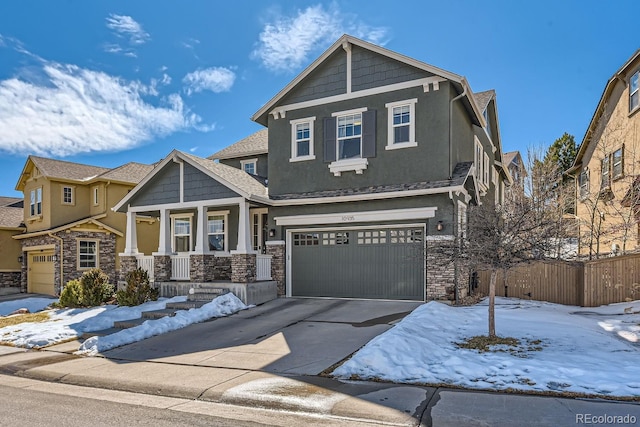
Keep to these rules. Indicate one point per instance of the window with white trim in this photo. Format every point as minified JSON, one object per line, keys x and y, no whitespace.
{"x":605,"y":169}
{"x":401,"y":124}
{"x":67,"y":195}
{"x":302,"y":139}
{"x":217,"y":231}
{"x":486,"y":170}
{"x":181,"y":233}
{"x":349,"y":138}
{"x":478,"y":160}
{"x":96,"y":194}
{"x":496,"y":188}
{"x":583,"y":183}
{"x":35,"y":203}
{"x":87,"y":254}
{"x":618,"y":163}
{"x":634,"y":94}
{"x":249,"y":166}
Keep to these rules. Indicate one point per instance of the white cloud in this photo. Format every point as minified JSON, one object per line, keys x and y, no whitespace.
{"x":215,"y":79}
{"x":285,"y":45}
{"x":69,"y":110}
{"x":166,"y":79}
{"x":126,"y":26}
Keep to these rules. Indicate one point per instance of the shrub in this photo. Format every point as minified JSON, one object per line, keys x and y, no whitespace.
{"x":91,"y":289}
{"x":138,"y":290}
{"x":71,"y":295}
{"x":95,"y":287}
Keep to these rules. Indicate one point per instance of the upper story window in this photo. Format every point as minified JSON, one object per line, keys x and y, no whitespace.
{"x":583,"y":182}
{"x":401,"y":124}
{"x":35,"y":203}
{"x":349,"y":136}
{"x":95,"y":194}
{"x":249,"y":166}
{"x":67,"y":195}
{"x":486,"y":170}
{"x":181,"y":231}
{"x":349,"y":139}
{"x":605,"y":182}
{"x":485,"y":114}
{"x":618,"y":163}
{"x":216,"y":231}
{"x":478,"y":160}
{"x":634,"y":95}
{"x":302,"y":139}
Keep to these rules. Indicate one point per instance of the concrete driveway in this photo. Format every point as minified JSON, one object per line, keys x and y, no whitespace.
{"x":288,"y":335}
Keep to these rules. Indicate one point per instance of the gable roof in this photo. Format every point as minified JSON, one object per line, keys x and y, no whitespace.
{"x":94,"y":220}
{"x":483,"y":98}
{"x":14,"y":202}
{"x":510,"y":157}
{"x":458,"y":80}
{"x":608,"y":90}
{"x":234,"y":179}
{"x":131,"y":172}
{"x":11,"y":217}
{"x":256,"y":143}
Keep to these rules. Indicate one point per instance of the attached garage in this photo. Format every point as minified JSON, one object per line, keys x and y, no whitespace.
{"x":41,"y":274}
{"x":374,"y":262}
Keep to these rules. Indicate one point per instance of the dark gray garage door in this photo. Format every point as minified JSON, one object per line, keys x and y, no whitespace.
{"x":381,"y":263}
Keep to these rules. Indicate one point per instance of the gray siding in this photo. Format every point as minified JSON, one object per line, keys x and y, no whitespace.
{"x":369,"y":69}
{"x":262,"y":164}
{"x":163,"y":188}
{"x":330,"y":78}
{"x":199,"y":186}
{"x":427,"y":162}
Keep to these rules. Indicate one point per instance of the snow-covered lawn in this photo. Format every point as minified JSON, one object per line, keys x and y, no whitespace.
{"x":582,"y":350}
{"x":67,"y":324}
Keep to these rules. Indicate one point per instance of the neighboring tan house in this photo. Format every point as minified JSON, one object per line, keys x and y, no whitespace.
{"x":10,"y":252}
{"x":373,"y":157}
{"x":70,"y":227}
{"x":607,"y":167}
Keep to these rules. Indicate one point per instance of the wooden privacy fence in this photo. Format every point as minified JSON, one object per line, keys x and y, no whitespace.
{"x":588,"y":284}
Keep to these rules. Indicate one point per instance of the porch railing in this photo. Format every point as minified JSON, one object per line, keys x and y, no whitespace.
{"x":180,"y":267}
{"x":263,"y":267}
{"x":146,"y":263}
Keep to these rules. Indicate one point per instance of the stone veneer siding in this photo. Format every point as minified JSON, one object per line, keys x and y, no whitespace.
{"x":222,"y":268}
{"x":10,"y":279}
{"x":161,"y":268}
{"x":441,"y":275}
{"x":127,"y":263}
{"x":278,"y":264}
{"x":243,"y":268}
{"x":69,"y":257}
{"x":202,"y":267}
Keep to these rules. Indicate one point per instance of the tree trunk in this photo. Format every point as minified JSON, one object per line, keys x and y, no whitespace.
{"x":492,"y":303}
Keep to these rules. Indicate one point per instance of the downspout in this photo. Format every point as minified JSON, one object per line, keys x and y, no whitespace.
{"x":464,"y":92}
{"x":60,"y":241}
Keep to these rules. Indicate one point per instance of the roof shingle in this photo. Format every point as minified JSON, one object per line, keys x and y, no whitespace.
{"x":129,"y":172}
{"x":10,"y":217}
{"x":256,"y":143}
{"x":61,"y":169}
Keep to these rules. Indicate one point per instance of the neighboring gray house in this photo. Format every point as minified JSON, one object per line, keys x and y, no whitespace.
{"x":373,"y":158}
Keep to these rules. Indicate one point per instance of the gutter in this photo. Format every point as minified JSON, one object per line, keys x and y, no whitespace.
{"x":464,"y":93}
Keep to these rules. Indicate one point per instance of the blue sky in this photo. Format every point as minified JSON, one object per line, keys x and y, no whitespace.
{"x":108,"y":82}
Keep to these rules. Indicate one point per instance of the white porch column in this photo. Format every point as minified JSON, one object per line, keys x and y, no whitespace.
{"x":131,"y":238}
{"x":202,"y":244}
{"x":244,"y":231}
{"x":164,"y":245}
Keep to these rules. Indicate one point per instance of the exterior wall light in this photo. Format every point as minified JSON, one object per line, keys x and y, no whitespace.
{"x":272,"y":232}
{"x":440,"y":226}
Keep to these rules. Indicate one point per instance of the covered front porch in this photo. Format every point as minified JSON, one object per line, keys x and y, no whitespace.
{"x":216,"y":240}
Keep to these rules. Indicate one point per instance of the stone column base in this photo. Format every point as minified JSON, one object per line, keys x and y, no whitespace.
{"x":243,"y":268}
{"x":161,"y":268}
{"x":276,"y":248}
{"x":202,"y":267}
{"x":127,"y":263}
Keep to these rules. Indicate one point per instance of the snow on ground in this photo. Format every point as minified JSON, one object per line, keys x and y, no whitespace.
{"x":585,"y":350}
{"x":66,"y":324}
{"x":221,"y":306}
{"x":32,"y":304}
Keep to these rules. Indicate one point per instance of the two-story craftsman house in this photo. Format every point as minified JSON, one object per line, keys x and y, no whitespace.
{"x":369,"y":158}
{"x":69,"y":226}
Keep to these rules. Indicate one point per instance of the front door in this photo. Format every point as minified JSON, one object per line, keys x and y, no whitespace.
{"x":259,"y":229}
